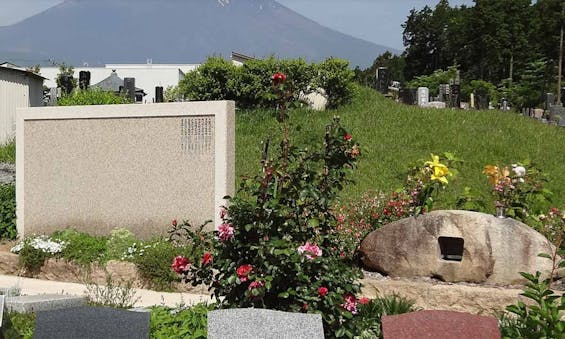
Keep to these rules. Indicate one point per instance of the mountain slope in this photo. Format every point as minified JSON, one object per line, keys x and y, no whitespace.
{"x":175,"y":31}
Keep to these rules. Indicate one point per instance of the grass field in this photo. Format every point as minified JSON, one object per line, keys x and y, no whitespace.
{"x":393,"y":136}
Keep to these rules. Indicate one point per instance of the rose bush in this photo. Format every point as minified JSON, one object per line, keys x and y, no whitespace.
{"x":273,"y":248}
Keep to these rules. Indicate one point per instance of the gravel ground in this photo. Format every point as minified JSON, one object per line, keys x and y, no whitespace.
{"x":7,"y":173}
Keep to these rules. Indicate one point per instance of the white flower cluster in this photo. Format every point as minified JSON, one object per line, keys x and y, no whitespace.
{"x":136,"y":249}
{"x":41,"y":242}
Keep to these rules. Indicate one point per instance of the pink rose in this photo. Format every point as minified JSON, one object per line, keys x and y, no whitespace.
{"x":347,"y":137}
{"x":223,"y":212}
{"x":225,"y":232}
{"x":243,"y":271}
{"x":255,"y":284}
{"x":311,"y":251}
{"x":180,"y":264}
{"x":322,"y":291}
{"x":350,"y":303}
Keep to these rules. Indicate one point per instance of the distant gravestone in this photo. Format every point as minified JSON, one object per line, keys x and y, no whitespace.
{"x":439,"y":325}
{"x":262,"y":323}
{"x":91,"y":322}
{"x":423,"y":96}
{"x":557,"y":113}
{"x":549,"y":100}
{"x":455,"y":95}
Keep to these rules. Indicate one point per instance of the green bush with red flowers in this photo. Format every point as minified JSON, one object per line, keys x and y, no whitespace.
{"x":274,"y":247}
{"x":250,"y":84}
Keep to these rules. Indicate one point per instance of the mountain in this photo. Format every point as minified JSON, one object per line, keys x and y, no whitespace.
{"x":174,"y":31}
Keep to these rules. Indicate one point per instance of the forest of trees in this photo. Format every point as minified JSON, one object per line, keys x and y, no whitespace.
{"x":512,"y":44}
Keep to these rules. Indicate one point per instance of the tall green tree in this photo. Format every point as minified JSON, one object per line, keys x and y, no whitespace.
{"x":66,"y":71}
{"x":394,"y":63}
{"x":425,"y":36}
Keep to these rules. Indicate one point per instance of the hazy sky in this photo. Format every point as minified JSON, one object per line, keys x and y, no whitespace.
{"x":373,"y":20}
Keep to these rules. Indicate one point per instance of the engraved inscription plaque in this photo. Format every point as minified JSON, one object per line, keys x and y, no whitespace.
{"x":197,"y":135}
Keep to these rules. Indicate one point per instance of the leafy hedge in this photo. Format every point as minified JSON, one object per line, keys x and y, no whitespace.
{"x":92,"y":96}
{"x":250,"y":84}
{"x":7,"y":211}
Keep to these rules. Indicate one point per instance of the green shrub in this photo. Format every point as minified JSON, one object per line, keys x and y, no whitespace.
{"x":540,"y":320}
{"x":82,"y":248}
{"x":34,"y":250}
{"x":335,"y":77}
{"x":273,"y":249}
{"x":183,"y":322}
{"x":8,"y":152}
{"x":250,"y":85}
{"x":153,"y":261}
{"x":8,"y":211}
{"x":92,"y":96}
{"x":372,"y":311}
{"x":117,"y":245}
{"x":18,"y":325}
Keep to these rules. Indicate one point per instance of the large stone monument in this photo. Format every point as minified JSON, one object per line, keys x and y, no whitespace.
{"x":95,"y":168}
{"x":457,"y":246}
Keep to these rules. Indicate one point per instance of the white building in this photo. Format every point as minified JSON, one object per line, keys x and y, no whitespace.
{"x":147,"y":76}
{"x":18,"y":88}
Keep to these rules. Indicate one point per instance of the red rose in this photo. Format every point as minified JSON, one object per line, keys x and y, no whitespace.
{"x":278,"y":78}
{"x":180,"y":264}
{"x":174,"y":222}
{"x":364,"y":301}
{"x":305,"y":307}
{"x":347,"y":137}
{"x":322,"y":291}
{"x":243,"y":271}
{"x":206,"y":258}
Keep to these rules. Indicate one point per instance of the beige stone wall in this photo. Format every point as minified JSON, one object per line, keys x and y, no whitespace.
{"x":95,"y":168}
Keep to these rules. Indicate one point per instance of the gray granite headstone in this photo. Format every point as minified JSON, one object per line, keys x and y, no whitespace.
{"x":91,"y":323}
{"x":262,"y":323}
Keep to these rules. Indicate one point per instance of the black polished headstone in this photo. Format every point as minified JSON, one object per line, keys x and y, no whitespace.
{"x":91,"y":323}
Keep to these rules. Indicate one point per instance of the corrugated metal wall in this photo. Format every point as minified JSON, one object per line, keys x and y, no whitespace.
{"x":15,"y":92}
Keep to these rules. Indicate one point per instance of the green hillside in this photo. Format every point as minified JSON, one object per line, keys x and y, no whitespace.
{"x":392,"y":136}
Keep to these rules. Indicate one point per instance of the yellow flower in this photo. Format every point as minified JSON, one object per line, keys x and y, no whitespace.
{"x":493,"y":173}
{"x":439,"y":170}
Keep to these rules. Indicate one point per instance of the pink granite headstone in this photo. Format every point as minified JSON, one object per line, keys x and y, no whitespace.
{"x":439,"y":325}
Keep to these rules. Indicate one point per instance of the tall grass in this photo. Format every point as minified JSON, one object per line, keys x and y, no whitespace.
{"x":393,"y":136}
{"x":8,"y":152}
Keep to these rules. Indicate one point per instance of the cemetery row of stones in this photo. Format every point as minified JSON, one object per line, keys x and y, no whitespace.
{"x":449,"y":96}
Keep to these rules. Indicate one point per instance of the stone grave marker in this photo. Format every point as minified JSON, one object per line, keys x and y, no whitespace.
{"x":96,"y":168}
{"x":439,"y":325}
{"x":423,"y":96}
{"x":262,"y":323}
{"x":557,"y":113}
{"x":91,"y":322}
